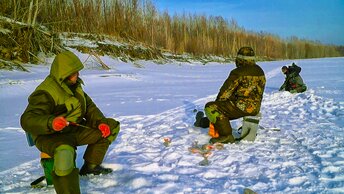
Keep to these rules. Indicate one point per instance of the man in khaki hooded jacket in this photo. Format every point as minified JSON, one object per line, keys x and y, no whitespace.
{"x":60,"y":116}
{"x":293,"y":81}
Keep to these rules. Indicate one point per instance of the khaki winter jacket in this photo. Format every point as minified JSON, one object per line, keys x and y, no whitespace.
{"x":244,"y":88}
{"x":53,"y":97}
{"x":293,"y":81}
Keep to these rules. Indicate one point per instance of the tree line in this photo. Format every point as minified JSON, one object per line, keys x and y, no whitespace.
{"x":139,"y":20}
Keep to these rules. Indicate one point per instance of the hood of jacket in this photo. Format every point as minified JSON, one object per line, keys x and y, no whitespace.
{"x":65,"y":64}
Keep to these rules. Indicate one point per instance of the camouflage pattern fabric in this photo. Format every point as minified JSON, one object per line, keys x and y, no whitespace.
{"x":242,"y":92}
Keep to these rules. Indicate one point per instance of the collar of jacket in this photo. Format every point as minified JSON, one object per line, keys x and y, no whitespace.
{"x":67,"y":89}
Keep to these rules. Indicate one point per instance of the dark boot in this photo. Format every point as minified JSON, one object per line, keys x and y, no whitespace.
{"x":222,"y":139}
{"x":94,"y":169}
{"x":201,"y":120}
{"x":205,"y":122}
{"x":199,"y":116}
{"x":67,"y":184}
{"x":224,"y":129}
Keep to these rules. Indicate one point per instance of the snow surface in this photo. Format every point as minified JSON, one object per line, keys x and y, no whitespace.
{"x":158,"y":101}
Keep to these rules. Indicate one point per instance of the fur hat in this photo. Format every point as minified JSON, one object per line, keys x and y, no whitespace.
{"x":244,"y":56}
{"x":284,"y":69}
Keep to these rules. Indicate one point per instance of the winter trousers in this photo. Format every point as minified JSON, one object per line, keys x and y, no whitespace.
{"x":96,"y":145}
{"x":63,"y":145}
{"x":220,"y":113}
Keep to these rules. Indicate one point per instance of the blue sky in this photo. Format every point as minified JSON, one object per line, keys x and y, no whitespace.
{"x":318,"y":20}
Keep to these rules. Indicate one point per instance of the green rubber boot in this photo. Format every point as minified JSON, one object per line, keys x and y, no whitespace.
{"x":48,"y":165}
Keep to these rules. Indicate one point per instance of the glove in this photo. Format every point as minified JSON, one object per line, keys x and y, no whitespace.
{"x":59,"y":123}
{"x":105,"y":129}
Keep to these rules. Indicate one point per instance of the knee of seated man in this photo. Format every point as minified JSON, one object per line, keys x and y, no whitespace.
{"x":64,"y":160}
{"x":211,"y":112}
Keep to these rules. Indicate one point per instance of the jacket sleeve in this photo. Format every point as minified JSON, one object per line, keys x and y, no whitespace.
{"x":283,"y":86}
{"x":228,"y":87}
{"x":93,"y":114}
{"x":38,"y":116}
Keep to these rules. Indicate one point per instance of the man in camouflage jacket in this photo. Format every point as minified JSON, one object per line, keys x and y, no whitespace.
{"x":60,"y":116}
{"x":240,"y":95}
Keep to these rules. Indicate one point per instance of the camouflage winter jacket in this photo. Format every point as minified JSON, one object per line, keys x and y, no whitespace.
{"x":244,"y":88}
{"x":53,"y":97}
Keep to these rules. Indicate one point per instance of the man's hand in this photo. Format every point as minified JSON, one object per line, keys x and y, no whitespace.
{"x":59,"y":123}
{"x":105,"y":129}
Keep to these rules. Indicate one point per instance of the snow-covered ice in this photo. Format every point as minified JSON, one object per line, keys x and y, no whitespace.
{"x":158,"y":101}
